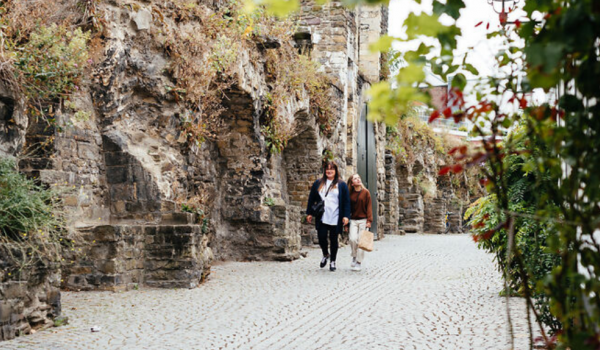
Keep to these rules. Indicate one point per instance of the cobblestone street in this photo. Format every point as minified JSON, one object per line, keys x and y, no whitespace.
{"x":415,"y":292}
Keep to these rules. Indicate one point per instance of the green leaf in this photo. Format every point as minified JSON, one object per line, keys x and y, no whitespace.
{"x":279,"y":8}
{"x":469,"y":67}
{"x":571,"y":103}
{"x":423,"y":24}
{"x":459,"y":81}
{"x":451,"y":8}
{"x":383,"y":44}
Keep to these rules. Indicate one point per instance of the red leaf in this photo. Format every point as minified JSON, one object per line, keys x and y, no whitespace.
{"x":457,"y":97}
{"x":487,"y":235}
{"x":458,"y":117}
{"x":447,"y":112}
{"x":457,"y":168}
{"x":443,"y":171}
{"x":435,"y":115}
{"x":523,"y":103}
{"x":484,"y":182}
{"x":453,"y":150}
{"x":463,"y":149}
{"x":478,"y":24}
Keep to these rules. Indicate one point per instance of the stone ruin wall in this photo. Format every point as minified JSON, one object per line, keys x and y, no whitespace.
{"x":422,"y":208}
{"x":128,"y":169}
{"x":29,"y":298}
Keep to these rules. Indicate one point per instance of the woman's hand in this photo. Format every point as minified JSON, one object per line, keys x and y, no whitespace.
{"x":345,"y":221}
{"x":308,"y":218}
{"x":368,"y":225}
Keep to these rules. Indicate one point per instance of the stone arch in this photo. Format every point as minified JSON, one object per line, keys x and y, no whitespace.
{"x":302,"y":162}
{"x":243,"y":226}
{"x":417,"y":167}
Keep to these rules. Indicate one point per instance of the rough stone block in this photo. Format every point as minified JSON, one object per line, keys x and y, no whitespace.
{"x":116,"y":159}
{"x":116,"y":174}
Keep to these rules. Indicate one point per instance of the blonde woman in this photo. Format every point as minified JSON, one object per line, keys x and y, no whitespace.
{"x":361,"y":217}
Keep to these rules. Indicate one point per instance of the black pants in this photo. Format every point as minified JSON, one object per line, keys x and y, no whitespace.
{"x":331,"y":232}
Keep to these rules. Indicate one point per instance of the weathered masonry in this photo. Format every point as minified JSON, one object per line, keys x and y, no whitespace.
{"x":132,"y":170}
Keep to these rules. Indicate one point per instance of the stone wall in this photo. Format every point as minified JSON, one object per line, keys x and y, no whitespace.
{"x":423,"y":197}
{"x":128,"y":166}
{"x":29,"y":297}
{"x":173,"y":254}
{"x":389,"y":201}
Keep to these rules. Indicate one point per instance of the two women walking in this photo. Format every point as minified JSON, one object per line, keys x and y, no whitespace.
{"x":331,"y":205}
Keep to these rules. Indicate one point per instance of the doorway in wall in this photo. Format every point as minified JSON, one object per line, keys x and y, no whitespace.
{"x":367,"y":159}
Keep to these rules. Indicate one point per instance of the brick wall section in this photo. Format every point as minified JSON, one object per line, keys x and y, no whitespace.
{"x":122,"y":257}
{"x":373,"y":23}
{"x":29,"y":298}
{"x":132,"y":192}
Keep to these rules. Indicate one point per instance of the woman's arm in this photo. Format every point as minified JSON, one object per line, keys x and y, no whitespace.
{"x":345,"y":203}
{"x":312,"y":197}
{"x":369,"y":208}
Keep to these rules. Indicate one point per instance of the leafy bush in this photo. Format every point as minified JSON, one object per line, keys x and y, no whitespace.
{"x":30,"y":217}
{"x":52,"y":61}
{"x":532,"y":237}
{"x":204,"y":64}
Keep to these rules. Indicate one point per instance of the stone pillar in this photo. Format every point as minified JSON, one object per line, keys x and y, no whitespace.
{"x":373,"y":24}
{"x":390,"y":197}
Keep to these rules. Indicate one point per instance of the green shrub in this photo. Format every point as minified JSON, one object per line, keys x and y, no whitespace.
{"x":52,"y":62}
{"x":532,"y":237}
{"x":30,"y":217}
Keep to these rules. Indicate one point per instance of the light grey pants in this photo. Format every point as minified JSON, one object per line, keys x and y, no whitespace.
{"x":355,"y":227}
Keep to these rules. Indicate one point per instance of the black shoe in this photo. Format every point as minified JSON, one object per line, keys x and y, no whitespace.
{"x":332,"y":266}
{"x":323,"y":261}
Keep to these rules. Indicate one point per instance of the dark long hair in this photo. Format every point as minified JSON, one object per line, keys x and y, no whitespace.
{"x":330,"y":165}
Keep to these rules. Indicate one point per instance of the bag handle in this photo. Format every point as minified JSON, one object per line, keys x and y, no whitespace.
{"x":326,"y":193}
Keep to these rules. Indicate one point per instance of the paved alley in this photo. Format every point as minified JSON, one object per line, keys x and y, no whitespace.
{"x":415,"y":292}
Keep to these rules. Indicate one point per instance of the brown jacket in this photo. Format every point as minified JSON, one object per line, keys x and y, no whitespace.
{"x":360,"y":205}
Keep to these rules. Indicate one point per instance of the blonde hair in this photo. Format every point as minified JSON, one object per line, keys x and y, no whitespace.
{"x":351,"y":185}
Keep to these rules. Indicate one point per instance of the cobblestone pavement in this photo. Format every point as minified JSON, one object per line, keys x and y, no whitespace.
{"x":415,"y":292}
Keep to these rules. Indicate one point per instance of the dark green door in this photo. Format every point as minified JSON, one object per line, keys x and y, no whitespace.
{"x":367,"y":159}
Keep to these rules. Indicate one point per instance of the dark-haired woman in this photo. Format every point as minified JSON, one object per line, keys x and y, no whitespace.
{"x":334,"y":192}
{"x":361,"y":218}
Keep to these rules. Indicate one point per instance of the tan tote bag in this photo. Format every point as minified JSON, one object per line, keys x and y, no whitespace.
{"x":365,"y":240}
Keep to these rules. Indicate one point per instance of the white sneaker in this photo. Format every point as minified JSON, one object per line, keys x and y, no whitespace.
{"x":353,"y":264}
{"x":357,"y":267}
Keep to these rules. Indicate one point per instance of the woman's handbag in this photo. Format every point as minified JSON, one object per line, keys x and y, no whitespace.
{"x":318,"y":208}
{"x":365,"y":240}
